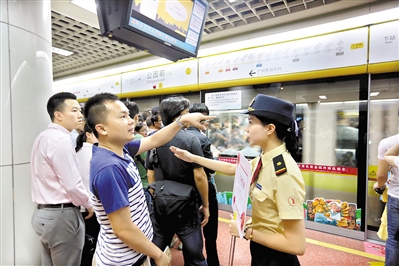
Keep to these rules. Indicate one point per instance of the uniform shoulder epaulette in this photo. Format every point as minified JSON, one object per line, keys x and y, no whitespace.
{"x":279,"y":165}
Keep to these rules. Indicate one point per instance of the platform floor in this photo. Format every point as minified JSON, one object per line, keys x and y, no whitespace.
{"x":322,"y":249}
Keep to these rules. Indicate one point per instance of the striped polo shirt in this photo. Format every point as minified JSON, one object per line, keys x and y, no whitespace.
{"x":115,"y":183}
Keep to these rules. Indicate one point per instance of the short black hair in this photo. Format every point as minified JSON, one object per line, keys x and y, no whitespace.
{"x":139,"y":126}
{"x":199,"y":108}
{"x":95,"y":109}
{"x":146,"y":114}
{"x":56,"y":102}
{"x":155,"y":110}
{"x":133,"y":108}
{"x":154,"y":118}
{"x":171,"y":107}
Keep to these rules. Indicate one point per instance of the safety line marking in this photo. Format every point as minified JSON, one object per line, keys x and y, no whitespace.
{"x":332,"y":246}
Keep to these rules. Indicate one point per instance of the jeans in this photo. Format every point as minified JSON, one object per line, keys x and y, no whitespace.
{"x":392,"y":243}
{"x":187,"y":227}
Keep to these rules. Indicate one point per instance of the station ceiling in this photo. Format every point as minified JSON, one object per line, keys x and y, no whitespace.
{"x":77,"y":30}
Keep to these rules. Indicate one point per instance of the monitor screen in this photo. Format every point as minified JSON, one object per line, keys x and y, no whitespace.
{"x":173,"y":24}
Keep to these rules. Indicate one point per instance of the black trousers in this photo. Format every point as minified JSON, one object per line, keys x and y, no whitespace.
{"x":210,"y":230}
{"x":92,"y":229}
{"x":264,"y":256}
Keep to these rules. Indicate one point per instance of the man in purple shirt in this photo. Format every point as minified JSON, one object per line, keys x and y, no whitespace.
{"x":57,"y":187}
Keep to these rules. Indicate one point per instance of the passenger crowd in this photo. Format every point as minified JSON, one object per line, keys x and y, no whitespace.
{"x":128,"y":184}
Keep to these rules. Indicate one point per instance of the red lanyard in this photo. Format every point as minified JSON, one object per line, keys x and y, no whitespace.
{"x":257,"y":170}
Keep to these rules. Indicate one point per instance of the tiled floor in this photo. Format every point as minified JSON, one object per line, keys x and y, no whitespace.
{"x":322,"y":249}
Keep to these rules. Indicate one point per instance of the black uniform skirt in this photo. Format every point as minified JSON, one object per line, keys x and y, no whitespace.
{"x":264,"y":256}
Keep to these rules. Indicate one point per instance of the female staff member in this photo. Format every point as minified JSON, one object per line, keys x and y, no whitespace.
{"x":276,"y":230}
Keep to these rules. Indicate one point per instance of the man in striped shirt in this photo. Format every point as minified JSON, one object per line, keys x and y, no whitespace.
{"x":116,"y":190}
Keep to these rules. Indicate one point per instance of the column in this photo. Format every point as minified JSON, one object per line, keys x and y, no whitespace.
{"x":26,"y":85}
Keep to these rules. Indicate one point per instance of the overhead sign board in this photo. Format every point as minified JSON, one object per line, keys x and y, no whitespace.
{"x":384,"y":44}
{"x":337,"y":50}
{"x":88,"y":88}
{"x":167,"y":76}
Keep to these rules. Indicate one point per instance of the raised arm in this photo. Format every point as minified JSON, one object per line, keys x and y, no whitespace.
{"x":223,"y":167}
{"x":391,"y":155}
{"x":165,"y":134}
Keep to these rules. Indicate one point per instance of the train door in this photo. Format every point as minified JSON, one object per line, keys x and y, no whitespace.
{"x":384,"y":122}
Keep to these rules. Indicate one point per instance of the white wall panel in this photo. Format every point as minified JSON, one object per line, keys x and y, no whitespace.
{"x":31,"y":86}
{"x":5,"y":103}
{"x":35,"y":14}
{"x":6,"y":217}
{"x":27,"y":244}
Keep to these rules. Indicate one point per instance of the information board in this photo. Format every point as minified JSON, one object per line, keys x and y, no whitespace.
{"x":88,"y":88}
{"x":337,"y":50}
{"x":223,"y":100}
{"x":384,"y":44}
{"x":167,"y":76}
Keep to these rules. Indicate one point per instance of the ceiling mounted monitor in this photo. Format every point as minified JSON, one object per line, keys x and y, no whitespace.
{"x":171,"y":29}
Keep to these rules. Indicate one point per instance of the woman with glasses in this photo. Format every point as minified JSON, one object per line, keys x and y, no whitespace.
{"x":155,"y":124}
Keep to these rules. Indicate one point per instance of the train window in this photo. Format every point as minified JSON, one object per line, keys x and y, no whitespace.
{"x":327,"y":114}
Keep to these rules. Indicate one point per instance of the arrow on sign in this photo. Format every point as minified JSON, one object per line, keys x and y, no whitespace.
{"x":251,"y":73}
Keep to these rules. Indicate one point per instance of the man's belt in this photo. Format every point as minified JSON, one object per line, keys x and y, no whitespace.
{"x":56,"y":206}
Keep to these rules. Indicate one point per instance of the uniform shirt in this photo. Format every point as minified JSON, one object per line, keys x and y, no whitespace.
{"x":84,"y":156}
{"x":54,"y":168}
{"x":114,"y":184}
{"x":276,"y":198}
{"x":383,"y":147}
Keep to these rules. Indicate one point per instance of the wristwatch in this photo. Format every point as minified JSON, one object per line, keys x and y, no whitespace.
{"x":180,"y":124}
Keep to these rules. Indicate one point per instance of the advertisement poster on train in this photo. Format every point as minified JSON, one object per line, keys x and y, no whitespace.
{"x":333,"y":212}
{"x":240,"y":192}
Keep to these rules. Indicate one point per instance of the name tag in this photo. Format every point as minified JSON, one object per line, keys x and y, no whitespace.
{"x":258,"y":186}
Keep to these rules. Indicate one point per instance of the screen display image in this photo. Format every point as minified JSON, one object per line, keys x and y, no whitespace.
{"x":176,"y":22}
{"x":174,"y":15}
{"x":171,"y":29}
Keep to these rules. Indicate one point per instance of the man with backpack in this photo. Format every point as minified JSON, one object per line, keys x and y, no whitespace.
{"x":175,"y":207}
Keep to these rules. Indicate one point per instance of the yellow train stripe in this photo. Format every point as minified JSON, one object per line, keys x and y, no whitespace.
{"x":385,"y":67}
{"x":336,"y":247}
